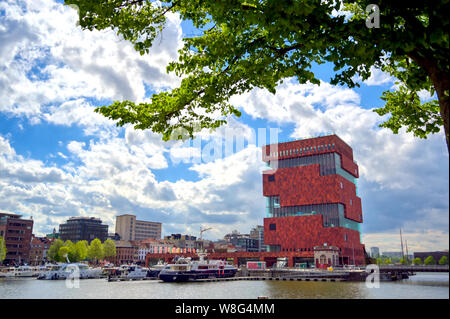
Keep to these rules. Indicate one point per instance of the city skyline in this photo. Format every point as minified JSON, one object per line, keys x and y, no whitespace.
{"x":59,"y":159}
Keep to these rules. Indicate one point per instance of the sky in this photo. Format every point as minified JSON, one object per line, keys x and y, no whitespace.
{"x":58,"y":158}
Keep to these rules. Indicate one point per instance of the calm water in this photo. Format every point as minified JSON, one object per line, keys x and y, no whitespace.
{"x":422,"y":286}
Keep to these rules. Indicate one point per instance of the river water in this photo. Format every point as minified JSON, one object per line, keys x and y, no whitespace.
{"x":420,"y":286}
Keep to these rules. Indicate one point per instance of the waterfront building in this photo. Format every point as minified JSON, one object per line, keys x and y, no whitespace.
{"x":312,"y":199}
{"x":129,"y":228}
{"x":126,"y":252}
{"x":83,"y":228}
{"x":153,"y":246}
{"x":325,"y":256}
{"x":437,"y":255}
{"x":16,"y":231}
{"x":374,"y":252}
{"x":39,"y":249}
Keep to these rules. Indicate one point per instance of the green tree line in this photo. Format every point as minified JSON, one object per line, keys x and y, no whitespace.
{"x":383,"y":260}
{"x":3,"y":250}
{"x":60,"y":251}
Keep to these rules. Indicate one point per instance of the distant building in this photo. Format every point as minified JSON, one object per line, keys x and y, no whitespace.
{"x":129,"y":228}
{"x":54,"y":234}
{"x":182,"y":241}
{"x":436,"y":255}
{"x":114,"y":236}
{"x":242,"y":242}
{"x":257,"y":233}
{"x":392,"y":254}
{"x":153,"y":246}
{"x":83,"y":228}
{"x":374,"y":252}
{"x":126,"y":252}
{"x":17,"y":234}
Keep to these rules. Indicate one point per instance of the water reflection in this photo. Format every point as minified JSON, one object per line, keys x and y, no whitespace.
{"x":422,"y":286}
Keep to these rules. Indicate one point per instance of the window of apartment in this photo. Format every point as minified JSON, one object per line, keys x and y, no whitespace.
{"x":271,"y":178}
{"x":351,"y":202}
{"x":342,"y":185}
{"x":272,"y":226}
{"x":345,"y":237}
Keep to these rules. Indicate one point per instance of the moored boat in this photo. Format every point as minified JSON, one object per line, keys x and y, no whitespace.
{"x":184,"y":269}
{"x":156,"y":269}
{"x":130,"y":272}
{"x":64,"y":271}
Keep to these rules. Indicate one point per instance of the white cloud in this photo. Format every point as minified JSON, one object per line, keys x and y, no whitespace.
{"x":46,"y":59}
{"x":377,"y":77}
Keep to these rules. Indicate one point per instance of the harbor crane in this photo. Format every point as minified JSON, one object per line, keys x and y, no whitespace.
{"x":202,"y":230}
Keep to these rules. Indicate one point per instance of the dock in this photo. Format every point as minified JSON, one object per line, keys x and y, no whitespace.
{"x":114,"y":279}
{"x":271,"y":278}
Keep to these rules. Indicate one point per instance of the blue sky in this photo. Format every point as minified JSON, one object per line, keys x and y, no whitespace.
{"x":59,"y":159}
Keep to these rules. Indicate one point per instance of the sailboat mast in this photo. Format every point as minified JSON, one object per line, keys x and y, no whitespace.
{"x":401,"y":242}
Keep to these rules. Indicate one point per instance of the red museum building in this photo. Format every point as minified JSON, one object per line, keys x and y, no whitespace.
{"x":313,"y":212}
{"x":311,"y":199}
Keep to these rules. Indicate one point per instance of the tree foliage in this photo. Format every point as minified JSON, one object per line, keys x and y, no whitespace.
{"x":3,"y":250}
{"x":53,"y":251}
{"x":443,"y":260}
{"x":417,"y":261}
{"x":95,"y":250}
{"x":80,"y":250}
{"x":429,"y":261}
{"x":63,"y":253}
{"x":109,"y":248}
{"x":258,"y":43}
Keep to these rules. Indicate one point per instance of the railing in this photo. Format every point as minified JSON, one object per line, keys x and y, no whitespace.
{"x":415,"y":268}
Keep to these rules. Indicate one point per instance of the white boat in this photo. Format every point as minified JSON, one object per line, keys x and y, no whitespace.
{"x":25,"y":271}
{"x":7,"y":272}
{"x":133,"y":271}
{"x":64,"y":271}
{"x":19,"y":272}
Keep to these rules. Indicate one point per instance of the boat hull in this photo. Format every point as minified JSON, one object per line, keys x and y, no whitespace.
{"x":168,"y":276}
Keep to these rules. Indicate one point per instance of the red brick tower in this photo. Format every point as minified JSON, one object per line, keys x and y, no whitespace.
{"x":311,"y":195}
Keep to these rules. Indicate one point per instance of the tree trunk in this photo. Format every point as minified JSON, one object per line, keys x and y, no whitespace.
{"x":441,"y":84}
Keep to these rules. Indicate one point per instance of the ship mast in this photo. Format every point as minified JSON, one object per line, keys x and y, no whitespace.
{"x":401,"y":242}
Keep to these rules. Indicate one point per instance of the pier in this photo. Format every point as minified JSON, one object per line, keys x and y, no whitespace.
{"x":115,"y":279}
